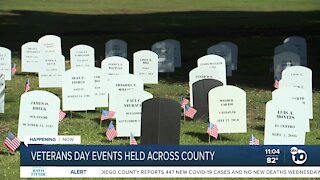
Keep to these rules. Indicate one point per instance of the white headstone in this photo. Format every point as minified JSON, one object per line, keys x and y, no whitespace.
{"x":116,"y":47}
{"x":200,"y":73}
{"x":300,"y":77}
{"x":234,"y":53}
{"x":115,"y":66}
{"x":284,"y":125}
{"x":31,"y":56}
{"x":301,"y":45}
{"x":51,"y":71}
{"x":51,"y":43}
{"x":100,"y":87}
{"x":225,"y":52}
{"x":217,"y":63}
{"x":78,"y":90}
{"x":120,"y":84}
{"x":227,"y":109}
{"x":129,"y":108}
{"x":82,"y":56}
{"x":165,"y":52}
{"x":2,"y":92}
{"x":282,"y":61}
{"x":5,"y":62}
{"x":145,"y":66}
{"x":285,"y":48}
{"x":177,"y":51}
{"x":298,"y":95}
{"x":39,"y":114}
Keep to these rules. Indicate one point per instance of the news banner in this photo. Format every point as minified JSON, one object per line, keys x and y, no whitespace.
{"x":174,"y":161}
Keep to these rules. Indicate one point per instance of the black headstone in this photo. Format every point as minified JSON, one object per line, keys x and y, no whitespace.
{"x":200,"y":91}
{"x":160,"y":121}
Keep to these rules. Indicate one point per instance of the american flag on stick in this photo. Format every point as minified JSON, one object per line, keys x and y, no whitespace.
{"x":61,"y":115}
{"x":111,"y":132}
{"x":27,"y":86}
{"x":253,"y":140}
{"x":107,"y":114}
{"x":190,"y":111}
{"x":14,"y":69}
{"x":11,"y":142}
{"x":133,"y":141}
{"x":276,"y":84}
{"x":183,"y":101}
{"x":212,"y":130}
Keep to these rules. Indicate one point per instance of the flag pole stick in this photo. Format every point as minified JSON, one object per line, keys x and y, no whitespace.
{"x":184,"y":114}
{"x":209,"y":139}
{"x":100,"y":123}
{"x":86,"y":113}
{"x":70,"y":114}
{"x":220,"y":137}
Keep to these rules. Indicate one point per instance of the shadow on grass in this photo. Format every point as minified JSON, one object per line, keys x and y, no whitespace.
{"x":255,"y":33}
{"x":258,"y":128}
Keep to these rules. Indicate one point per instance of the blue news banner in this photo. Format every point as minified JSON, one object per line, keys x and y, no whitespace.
{"x":96,"y":160}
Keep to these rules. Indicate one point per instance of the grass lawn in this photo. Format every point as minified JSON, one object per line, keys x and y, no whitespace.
{"x":256,"y":26}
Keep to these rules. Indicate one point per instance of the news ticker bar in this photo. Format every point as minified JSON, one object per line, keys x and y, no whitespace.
{"x":171,"y":172}
{"x":168,"y":155}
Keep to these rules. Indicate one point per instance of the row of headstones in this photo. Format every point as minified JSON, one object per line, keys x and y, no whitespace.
{"x":291,"y":107}
{"x":293,"y":52}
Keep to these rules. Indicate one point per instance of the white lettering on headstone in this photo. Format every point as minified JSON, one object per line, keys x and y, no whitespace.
{"x":217,"y":63}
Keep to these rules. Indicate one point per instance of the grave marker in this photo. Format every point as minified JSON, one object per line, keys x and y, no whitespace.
{"x":129,"y":108}
{"x":5,"y":62}
{"x":165,"y":52}
{"x":285,"y":48}
{"x":160,"y":121}
{"x":39,"y":114}
{"x":300,"y":77}
{"x":227,"y":109}
{"x":100,"y":87}
{"x":145,"y":66}
{"x":234,"y":53}
{"x":298,"y":95}
{"x":301,"y":45}
{"x":225,"y":52}
{"x":31,"y":57}
{"x":51,"y":43}
{"x":200,"y":73}
{"x":200,"y":96}
{"x":82,"y":56}
{"x":116,"y":47}
{"x":78,"y":90}
{"x":51,"y":71}
{"x":284,"y":125}
{"x":177,"y":51}
{"x":282,"y":61}
{"x":217,"y":63}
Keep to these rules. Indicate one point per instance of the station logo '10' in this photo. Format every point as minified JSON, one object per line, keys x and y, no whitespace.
{"x":298,"y":156}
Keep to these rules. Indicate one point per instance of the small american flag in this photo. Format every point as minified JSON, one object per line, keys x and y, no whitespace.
{"x":11,"y":142}
{"x":276,"y":84}
{"x":190,"y":111}
{"x":107,"y":114}
{"x":183,"y":101}
{"x":254,"y":140}
{"x":61,"y":115}
{"x":133,"y":141}
{"x":27,"y":86}
{"x":14,"y":69}
{"x":212,"y":130}
{"x":111,"y":132}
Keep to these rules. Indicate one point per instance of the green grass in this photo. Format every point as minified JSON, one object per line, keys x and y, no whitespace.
{"x":256,"y":26}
